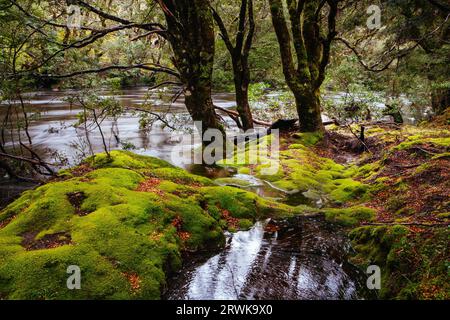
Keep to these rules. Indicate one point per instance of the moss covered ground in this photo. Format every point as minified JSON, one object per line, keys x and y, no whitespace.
{"x":407,"y":173}
{"x":393,"y":199}
{"x":126,"y":220}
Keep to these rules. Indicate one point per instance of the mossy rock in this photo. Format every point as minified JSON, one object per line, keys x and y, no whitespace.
{"x":349,"y":216}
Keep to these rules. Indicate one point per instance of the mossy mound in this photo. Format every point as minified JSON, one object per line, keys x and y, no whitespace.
{"x":349,"y":216}
{"x":300,"y":169}
{"x":124,"y":222}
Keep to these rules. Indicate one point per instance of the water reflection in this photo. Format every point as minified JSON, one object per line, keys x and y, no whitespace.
{"x":300,"y":258}
{"x":53,"y":128}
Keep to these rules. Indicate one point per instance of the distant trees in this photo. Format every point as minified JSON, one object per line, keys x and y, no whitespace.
{"x":43,"y":47}
{"x":409,"y":54}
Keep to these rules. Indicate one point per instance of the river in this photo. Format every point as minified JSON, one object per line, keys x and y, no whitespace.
{"x":55,"y":136}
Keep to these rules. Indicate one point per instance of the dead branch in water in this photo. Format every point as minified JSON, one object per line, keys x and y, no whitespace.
{"x":235,"y":116}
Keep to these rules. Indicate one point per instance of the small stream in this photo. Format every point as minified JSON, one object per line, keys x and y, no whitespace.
{"x":302,"y":258}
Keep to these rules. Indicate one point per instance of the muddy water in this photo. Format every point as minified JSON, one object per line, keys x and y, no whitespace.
{"x":300,"y":258}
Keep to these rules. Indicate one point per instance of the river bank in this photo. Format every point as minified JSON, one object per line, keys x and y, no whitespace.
{"x":127,"y":221}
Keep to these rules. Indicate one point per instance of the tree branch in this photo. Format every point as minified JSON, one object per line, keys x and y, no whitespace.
{"x":223,"y":30}
{"x":251,"y":30}
{"x":149,"y":67}
{"x":400,"y":55}
{"x":241,"y":27}
{"x":327,"y":42}
{"x":236,"y":114}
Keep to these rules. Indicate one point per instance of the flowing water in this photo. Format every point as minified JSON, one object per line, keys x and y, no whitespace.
{"x":54,"y":118}
{"x":55,"y":135}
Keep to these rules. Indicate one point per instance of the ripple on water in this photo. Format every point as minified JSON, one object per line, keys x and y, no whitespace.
{"x":304,"y":259}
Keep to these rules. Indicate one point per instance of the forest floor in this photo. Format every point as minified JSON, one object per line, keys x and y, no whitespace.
{"x":128,"y":220}
{"x":407,"y":170}
{"x":392,"y":195}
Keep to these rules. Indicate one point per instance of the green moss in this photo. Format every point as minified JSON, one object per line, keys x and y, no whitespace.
{"x":347,"y":189}
{"x":378,"y":185}
{"x":301,"y":170}
{"x":349,"y":216}
{"x":399,"y":253}
{"x":445,"y":215}
{"x":372,"y":131}
{"x":395,"y":203}
{"x":233,"y":182}
{"x":240,"y":202}
{"x":126,"y":160}
{"x":178,"y":175}
{"x":418,"y":140}
{"x":245,"y":224}
{"x":441,"y":156}
{"x":244,"y":170}
{"x":308,"y":138}
{"x":101,"y":223}
{"x":368,"y":170}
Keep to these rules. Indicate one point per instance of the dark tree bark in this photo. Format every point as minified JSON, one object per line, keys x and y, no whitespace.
{"x":190,"y":27}
{"x":305,"y":72}
{"x":239,"y":56}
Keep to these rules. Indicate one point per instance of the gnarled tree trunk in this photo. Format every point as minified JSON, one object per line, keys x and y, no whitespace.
{"x":191,"y":34}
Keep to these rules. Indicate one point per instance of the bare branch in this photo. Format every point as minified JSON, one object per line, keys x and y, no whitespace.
{"x":236,"y":114}
{"x":223,"y":30}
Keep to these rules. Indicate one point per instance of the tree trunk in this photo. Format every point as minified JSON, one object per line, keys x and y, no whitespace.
{"x":191,"y":34}
{"x":200,"y":106}
{"x":239,"y":55}
{"x":241,"y":84}
{"x":308,"y":109}
{"x":304,"y":72}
